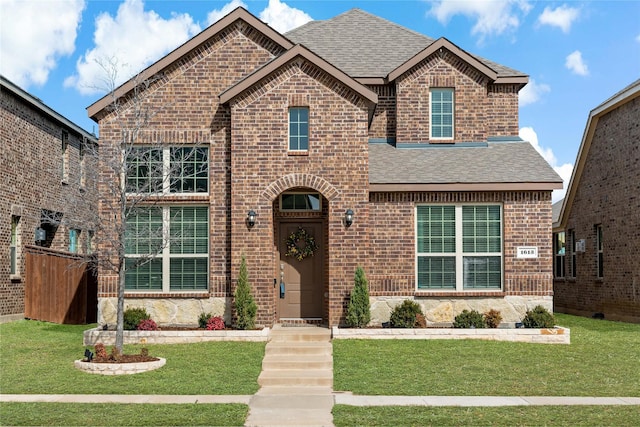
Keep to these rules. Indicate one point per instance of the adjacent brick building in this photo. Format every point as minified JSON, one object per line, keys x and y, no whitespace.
{"x":598,"y":272}
{"x":343,"y":143}
{"x":44,"y":171}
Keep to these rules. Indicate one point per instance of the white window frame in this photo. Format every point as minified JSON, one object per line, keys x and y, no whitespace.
{"x":459,"y":253}
{"x":453,"y":114}
{"x":166,"y":170}
{"x":301,"y":193}
{"x":165,"y":255}
{"x":298,"y":150}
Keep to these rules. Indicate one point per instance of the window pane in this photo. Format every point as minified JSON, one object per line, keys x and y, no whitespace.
{"x":441,"y":113}
{"x":299,"y":129}
{"x":189,"y":230}
{"x":482,"y":272}
{"x":145,"y":277}
{"x":436,"y":272}
{"x":144,"y":170}
{"x":436,"y":229}
{"x":189,"y":274}
{"x":189,"y":170}
{"x":481,"y":229}
{"x":143,"y":233}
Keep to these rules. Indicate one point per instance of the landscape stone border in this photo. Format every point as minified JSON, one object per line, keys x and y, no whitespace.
{"x":557,"y":335}
{"x":97,"y":335}
{"x":119,"y":368}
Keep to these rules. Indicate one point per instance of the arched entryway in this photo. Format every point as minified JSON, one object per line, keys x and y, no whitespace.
{"x":301,"y":241}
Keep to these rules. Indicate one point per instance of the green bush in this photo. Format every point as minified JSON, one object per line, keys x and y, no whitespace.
{"x":492,"y":318}
{"x":133,"y":317}
{"x":246,"y":307}
{"x":358,"y":312}
{"x":404,"y":315}
{"x":469,"y":319}
{"x":203,"y":319}
{"x":539,"y":317}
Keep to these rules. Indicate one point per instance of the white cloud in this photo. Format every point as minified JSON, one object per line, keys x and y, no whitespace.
{"x":134,"y":38}
{"x":492,"y":16}
{"x":532,"y":92}
{"x":216,"y":14}
{"x":565,"y":170}
{"x":34,"y":36}
{"x":576,"y":64}
{"x":282,"y":17}
{"x":561,"y":17}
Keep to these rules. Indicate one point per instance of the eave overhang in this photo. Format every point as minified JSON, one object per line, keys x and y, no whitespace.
{"x":459,"y":187}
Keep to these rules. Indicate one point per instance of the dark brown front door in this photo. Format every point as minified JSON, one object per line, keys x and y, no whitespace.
{"x":302,"y":280}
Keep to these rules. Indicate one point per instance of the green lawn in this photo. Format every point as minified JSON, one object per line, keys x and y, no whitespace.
{"x":90,"y":414}
{"x":37,"y":358}
{"x":396,"y":416}
{"x":602,"y":360}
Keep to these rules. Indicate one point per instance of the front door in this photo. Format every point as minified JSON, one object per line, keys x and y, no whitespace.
{"x":300,"y":289}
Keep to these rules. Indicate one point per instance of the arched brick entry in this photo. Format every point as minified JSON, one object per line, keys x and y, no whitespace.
{"x":295,"y":180}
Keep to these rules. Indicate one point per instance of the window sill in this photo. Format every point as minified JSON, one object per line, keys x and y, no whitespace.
{"x":298,"y":153}
{"x":460,"y":294}
{"x":161,"y":294}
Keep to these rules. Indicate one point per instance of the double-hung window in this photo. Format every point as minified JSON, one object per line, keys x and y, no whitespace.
{"x":459,"y":247}
{"x":573,"y":246}
{"x":167,"y":170}
{"x":168,"y":249}
{"x":298,"y":129}
{"x":441,"y":113}
{"x":558,"y":254}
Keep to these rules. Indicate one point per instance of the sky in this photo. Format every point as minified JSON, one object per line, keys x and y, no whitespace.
{"x":577,"y":53}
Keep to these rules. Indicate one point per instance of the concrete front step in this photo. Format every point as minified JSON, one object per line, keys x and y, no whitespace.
{"x":298,"y":348}
{"x":300,"y":335}
{"x":296,"y":377}
{"x":284,"y":361}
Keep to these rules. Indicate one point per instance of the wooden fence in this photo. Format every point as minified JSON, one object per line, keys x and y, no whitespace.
{"x":59,"y":287}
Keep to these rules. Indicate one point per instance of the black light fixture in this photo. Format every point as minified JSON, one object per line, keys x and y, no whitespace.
{"x":41,"y":235}
{"x":348,"y":217}
{"x":251,"y":218}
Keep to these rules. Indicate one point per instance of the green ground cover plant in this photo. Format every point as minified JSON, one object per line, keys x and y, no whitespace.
{"x":602,"y":360}
{"x":112,"y":414}
{"x":37,"y":358}
{"x":397,"y":416}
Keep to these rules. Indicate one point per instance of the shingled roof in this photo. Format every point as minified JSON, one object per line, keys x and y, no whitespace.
{"x":484,"y":166}
{"x":367,"y":46}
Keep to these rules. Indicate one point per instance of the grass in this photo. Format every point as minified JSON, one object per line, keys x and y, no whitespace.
{"x":91,"y":414}
{"x":37,"y":358}
{"x":602,"y":360}
{"x":397,"y":416}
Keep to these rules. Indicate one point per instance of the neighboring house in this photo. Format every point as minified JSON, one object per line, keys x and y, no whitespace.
{"x":43,"y":169}
{"x":394,"y":151}
{"x":597,"y":272}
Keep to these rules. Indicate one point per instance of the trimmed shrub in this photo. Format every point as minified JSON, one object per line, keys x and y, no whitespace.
{"x":469,"y":319}
{"x":358,"y":312}
{"x":492,"y":318}
{"x":203,"y":319}
{"x":147,"y":325}
{"x":404,"y":315}
{"x":215,"y":324}
{"x":246,"y":307}
{"x":101,"y":351}
{"x":539,"y":317}
{"x":133,"y":317}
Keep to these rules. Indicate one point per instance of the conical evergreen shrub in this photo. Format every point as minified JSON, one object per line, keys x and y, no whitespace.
{"x":246,"y":307}
{"x":358,"y":311}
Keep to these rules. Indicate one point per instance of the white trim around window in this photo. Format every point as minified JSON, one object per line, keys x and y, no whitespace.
{"x":459,"y":248}
{"x":442,"y":114}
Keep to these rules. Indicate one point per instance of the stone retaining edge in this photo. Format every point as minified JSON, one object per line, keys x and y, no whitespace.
{"x":119,"y":368}
{"x":557,"y":335}
{"x":94,"y":336}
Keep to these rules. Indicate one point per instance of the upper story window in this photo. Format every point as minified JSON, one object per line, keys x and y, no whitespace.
{"x":74,"y":238}
{"x":299,"y":129}
{"x":300,"y":202}
{"x":572,"y":243}
{"x":14,"y":245}
{"x":558,"y":254}
{"x":459,"y":247}
{"x":168,"y":170}
{"x":65,"y":156}
{"x":600,"y":251}
{"x":441,"y":113}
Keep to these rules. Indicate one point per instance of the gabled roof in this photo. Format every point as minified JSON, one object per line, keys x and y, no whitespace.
{"x":460,"y":168}
{"x":297,"y":51}
{"x":237,"y":14}
{"x":367,"y":46}
{"x":36,"y":103}
{"x":625,"y":95}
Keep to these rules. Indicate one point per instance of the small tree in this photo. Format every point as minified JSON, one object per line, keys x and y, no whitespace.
{"x":246,"y":307}
{"x":358,"y":312}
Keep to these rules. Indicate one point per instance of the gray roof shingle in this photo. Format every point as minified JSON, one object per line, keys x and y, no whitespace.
{"x":365,"y":45}
{"x":505,"y":162}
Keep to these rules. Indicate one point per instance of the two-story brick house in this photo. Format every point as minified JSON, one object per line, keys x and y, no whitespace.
{"x":597,"y":231}
{"x":343,"y":143}
{"x":45,"y":166}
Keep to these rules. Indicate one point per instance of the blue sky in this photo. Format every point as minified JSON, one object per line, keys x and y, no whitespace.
{"x":577,"y":53}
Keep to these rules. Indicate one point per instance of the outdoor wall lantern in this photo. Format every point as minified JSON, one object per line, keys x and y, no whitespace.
{"x":41,"y":235}
{"x":251,"y":218}
{"x":348,"y":217}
